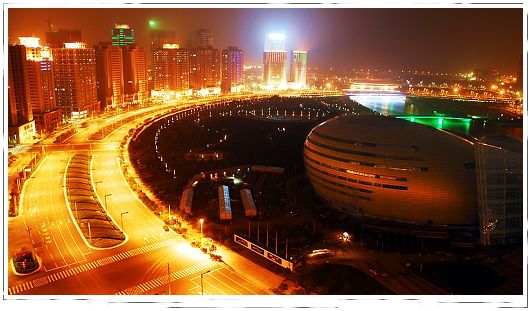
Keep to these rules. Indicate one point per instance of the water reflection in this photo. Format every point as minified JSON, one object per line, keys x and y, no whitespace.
{"x":388,"y":105}
{"x":438,"y":113}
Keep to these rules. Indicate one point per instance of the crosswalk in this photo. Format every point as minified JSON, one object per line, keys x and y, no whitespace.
{"x":152,"y":284}
{"x":20,"y":288}
{"x":85,"y":267}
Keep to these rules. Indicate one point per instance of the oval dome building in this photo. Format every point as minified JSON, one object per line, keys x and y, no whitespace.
{"x":393,"y":170}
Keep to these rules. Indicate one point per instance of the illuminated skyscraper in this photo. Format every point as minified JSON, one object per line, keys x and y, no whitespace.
{"x":17,"y":60}
{"x":205,"y":69}
{"x":122,"y":35}
{"x":109,"y":75}
{"x":135,"y":76}
{"x":75,"y":80}
{"x":158,"y":39}
{"x":32,"y":66}
{"x":298,"y":65}
{"x":275,"y":58}
{"x":231,"y":68}
{"x":172,"y":69}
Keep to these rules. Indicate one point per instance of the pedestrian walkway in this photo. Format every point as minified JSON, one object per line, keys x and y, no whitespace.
{"x":258,"y":274}
{"x":85,"y":267}
{"x":152,"y":284}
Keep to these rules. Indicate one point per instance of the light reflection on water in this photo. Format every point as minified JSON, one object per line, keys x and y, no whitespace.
{"x":397,"y":105}
{"x":388,"y":105}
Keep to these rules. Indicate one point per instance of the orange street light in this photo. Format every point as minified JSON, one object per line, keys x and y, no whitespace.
{"x":201,"y":221}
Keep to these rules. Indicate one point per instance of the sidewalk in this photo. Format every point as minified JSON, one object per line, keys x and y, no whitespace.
{"x":258,"y":274}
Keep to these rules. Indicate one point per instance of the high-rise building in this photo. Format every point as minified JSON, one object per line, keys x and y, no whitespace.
{"x":171,"y":69}
{"x":205,"y":69}
{"x":298,"y":65}
{"x":122,"y":35}
{"x":275,"y":58}
{"x":17,"y":60}
{"x":158,"y":39}
{"x":57,"y":38}
{"x":200,"y":38}
{"x":109,"y":75}
{"x":33,"y":83}
{"x":12,"y":118}
{"x":134,"y":72}
{"x":75,"y":80}
{"x":499,"y":178}
{"x":231,"y":68}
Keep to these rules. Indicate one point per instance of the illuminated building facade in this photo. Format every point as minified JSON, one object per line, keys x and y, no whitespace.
{"x":122,"y":35}
{"x":231,"y":68}
{"x":12,"y":118}
{"x":75,"y":80}
{"x":389,"y":170}
{"x":135,"y":75}
{"x":205,"y":68}
{"x":17,"y":61}
{"x":109,"y":75}
{"x":172,"y":69}
{"x":500,"y":182}
{"x":57,"y":38}
{"x":19,"y":132}
{"x":298,"y":67}
{"x":33,"y":82}
{"x":157,"y":38}
{"x":200,"y":39}
{"x":275,"y":58}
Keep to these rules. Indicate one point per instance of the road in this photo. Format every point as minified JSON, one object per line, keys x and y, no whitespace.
{"x":71,"y":266}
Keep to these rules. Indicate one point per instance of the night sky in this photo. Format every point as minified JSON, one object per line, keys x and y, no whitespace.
{"x":458,"y":39}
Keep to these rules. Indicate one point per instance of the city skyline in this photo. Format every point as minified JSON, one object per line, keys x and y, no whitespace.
{"x":276,"y":149}
{"x":460,"y":39}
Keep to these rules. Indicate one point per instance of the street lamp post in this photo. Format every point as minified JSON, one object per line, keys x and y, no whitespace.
{"x":96,"y":185}
{"x":122,"y":219}
{"x":201,"y":221}
{"x":28,"y":229}
{"x":202,"y":293}
{"x":75,"y":205}
{"x":89,"y":232}
{"x":107,"y":195}
{"x":169,"y":280}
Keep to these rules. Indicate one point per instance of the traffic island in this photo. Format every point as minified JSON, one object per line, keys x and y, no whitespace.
{"x":96,"y":225}
{"x":25,"y":262}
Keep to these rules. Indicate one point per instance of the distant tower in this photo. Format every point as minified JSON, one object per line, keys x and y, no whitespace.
{"x":275,"y":58}
{"x":200,"y":38}
{"x":231,"y":68}
{"x":75,"y":80}
{"x":122,"y":35}
{"x":298,"y":65}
